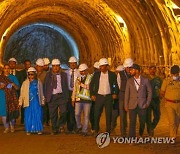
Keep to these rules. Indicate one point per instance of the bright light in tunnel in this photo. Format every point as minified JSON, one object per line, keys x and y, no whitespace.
{"x":174,"y":6}
{"x":120,"y":20}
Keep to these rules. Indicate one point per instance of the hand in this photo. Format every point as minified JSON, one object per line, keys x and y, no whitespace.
{"x":79,"y":82}
{"x":2,"y":85}
{"x":114,"y":96}
{"x":73,"y":103}
{"x":19,"y":106}
{"x":126,"y":109}
{"x":93,"y":98}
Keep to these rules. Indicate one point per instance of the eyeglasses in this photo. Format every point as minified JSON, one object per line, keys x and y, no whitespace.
{"x":30,"y":74}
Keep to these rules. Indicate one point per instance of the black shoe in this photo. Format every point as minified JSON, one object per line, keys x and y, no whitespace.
{"x":96,"y":134}
{"x":84,"y":134}
{"x":61,"y":130}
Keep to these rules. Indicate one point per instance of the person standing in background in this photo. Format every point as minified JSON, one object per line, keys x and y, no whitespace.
{"x":9,"y":110}
{"x":170,"y":90}
{"x":122,"y":78}
{"x":155,"y":102}
{"x":72,"y":75}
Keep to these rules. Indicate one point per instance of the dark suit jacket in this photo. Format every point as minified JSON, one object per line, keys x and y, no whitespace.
{"x":48,"y":86}
{"x":22,"y":76}
{"x":94,"y":85}
{"x":141,"y":97}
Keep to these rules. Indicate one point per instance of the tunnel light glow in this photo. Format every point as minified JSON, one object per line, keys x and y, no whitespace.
{"x":174,"y":6}
{"x":120,"y":19}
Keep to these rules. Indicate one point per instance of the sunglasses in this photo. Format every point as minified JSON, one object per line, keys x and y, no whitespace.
{"x":30,"y":74}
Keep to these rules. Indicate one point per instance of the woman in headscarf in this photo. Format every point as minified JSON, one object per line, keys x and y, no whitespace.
{"x":32,"y":99}
{"x":9,"y":110}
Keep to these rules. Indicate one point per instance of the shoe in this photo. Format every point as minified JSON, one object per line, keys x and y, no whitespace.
{"x":39,"y":133}
{"x":28,"y":133}
{"x":84,"y":134}
{"x":6,"y":130}
{"x":96,"y":134}
{"x":151,"y":133}
{"x":54,"y":132}
{"x":12,"y":129}
{"x":78,"y":130}
{"x":61,"y":130}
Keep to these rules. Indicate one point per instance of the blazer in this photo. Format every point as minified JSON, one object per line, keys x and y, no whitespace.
{"x":24,"y":95}
{"x":94,"y":85}
{"x":48,"y":86}
{"x":141,"y":97}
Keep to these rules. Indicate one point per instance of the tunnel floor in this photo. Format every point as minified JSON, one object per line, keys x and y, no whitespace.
{"x":19,"y":142}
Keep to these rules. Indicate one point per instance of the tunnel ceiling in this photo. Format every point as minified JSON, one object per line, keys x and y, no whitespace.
{"x":151,"y":36}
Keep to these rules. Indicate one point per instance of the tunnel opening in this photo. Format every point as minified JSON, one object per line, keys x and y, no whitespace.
{"x":39,"y":40}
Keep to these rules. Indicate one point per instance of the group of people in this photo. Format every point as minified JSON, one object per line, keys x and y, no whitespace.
{"x":47,"y":94}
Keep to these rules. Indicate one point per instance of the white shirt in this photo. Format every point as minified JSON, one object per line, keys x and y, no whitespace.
{"x":119,"y":80}
{"x":104,"y":87}
{"x":13,"y":71}
{"x":137,"y":84}
{"x":59,"y":88}
{"x":76,"y":74}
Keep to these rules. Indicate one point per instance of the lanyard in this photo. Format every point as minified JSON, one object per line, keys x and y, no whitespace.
{"x":136,"y":82}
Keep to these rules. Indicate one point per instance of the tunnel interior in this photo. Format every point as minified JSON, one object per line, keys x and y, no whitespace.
{"x":40,"y":40}
{"x":146,"y":30}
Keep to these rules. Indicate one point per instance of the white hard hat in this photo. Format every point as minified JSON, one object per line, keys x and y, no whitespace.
{"x":72,"y":59}
{"x":128,"y":62}
{"x":55,"y":62}
{"x":32,"y":69}
{"x":96,"y":65}
{"x":82,"y":67}
{"x":12,"y":59}
{"x":40,"y":62}
{"x":46,"y":61}
{"x":120,"y":68}
{"x":103,"y":61}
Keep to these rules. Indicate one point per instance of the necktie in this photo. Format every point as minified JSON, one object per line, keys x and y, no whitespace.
{"x":12,"y":72}
{"x":72,"y":79}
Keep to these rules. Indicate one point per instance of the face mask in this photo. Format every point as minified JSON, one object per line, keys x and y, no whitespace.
{"x":175,"y":78}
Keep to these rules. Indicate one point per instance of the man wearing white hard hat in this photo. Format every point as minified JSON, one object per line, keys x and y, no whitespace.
{"x":12,"y":64}
{"x":81,"y":99}
{"x":72,"y":75}
{"x":41,"y":74}
{"x":56,"y":94}
{"x":32,"y":99}
{"x":115,"y":111}
{"x":96,"y":69}
{"x":96,"y":66}
{"x":46,"y":117}
{"x":46,"y":64}
{"x":103,"y":89}
{"x":122,"y":78}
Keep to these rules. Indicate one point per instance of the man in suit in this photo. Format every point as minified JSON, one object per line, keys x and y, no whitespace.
{"x":103,"y":90}
{"x":56,"y":95}
{"x":138,"y":96}
{"x":72,"y":75}
{"x":122,"y":78}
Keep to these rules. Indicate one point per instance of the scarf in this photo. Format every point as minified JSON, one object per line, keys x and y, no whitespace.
{"x":12,"y":107}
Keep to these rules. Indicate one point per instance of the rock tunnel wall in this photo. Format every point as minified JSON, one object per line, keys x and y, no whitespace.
{"x":151,"y":36}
